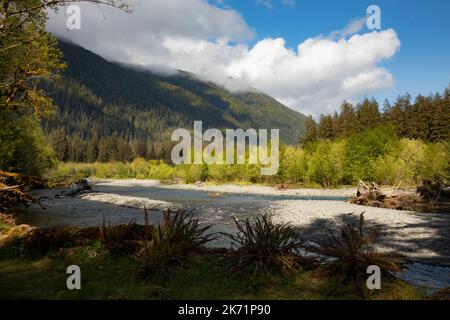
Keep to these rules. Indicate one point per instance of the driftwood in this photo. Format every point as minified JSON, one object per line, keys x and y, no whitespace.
{"x":429,"y":197}
{"x":13,"y":192}
{"x":281,"y":187}
{"x":434,"y":191}
{"x":46,"y":239}
{"x":22,"y":180}
{"x":79,"y":186}
{"x":371,"y":193}
{"x":11,"y":196}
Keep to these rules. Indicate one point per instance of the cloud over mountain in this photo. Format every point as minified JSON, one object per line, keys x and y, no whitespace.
{"x":212,"y":42}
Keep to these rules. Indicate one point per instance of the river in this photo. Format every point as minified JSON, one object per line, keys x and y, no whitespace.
{"x":216,"y":209}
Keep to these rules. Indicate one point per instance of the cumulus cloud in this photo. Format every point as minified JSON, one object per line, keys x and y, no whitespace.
{"x":321,"y":73}
{"x":197,"y":36}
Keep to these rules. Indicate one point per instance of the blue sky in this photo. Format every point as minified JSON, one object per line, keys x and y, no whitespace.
{"x":294,"y":51}
{"x":421,"y":66}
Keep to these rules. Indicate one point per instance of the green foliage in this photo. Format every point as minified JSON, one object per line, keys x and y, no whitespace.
{"x":173,"y":241}
{"x":94,"y":250}
{"x":28,"y":54}
{"x":427,"y":118}
{"x":265,"y":246}
{"x":361,"y":149}
{"x":294,"y":165}
{"x":376,"y":155}
{"x":23,"y":148}
{"x":325,"y":164}
{"x":4,"y":226}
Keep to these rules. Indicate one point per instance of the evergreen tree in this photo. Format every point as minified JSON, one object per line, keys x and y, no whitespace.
{"x":92,"y":149}
{"x":346,"y":120}
{"x":312,"y":132}
{"x":368,"y":115}
{"x":326,"y":127}
{"x":60,"y":145}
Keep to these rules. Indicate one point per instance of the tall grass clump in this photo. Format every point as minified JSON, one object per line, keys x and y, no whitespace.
{"x":172,"y":242}
{"x":116,"y":238}
{"x":347,"y":256}
{"x":265,"y":246}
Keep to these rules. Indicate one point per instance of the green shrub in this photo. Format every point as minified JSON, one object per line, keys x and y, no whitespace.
{"x":23,"y":148}
{"x":325,"y":165}
{"x":363,"y":148}
{"x":374,"y":155}
{"x":294,"y":165}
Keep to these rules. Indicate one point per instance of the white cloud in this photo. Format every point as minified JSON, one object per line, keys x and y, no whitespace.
{"x":196,"y":36}
{"x":354,"y":26}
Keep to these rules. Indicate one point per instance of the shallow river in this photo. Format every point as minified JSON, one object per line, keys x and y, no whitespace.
{"x":211,"y":209}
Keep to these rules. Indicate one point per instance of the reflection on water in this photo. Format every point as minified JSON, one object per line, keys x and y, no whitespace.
{"x":211,"y":208}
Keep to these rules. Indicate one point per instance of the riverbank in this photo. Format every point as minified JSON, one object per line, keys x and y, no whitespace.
{"x":423,"y":237}
{"x":419,"y":236}
{"x":255,"y":189}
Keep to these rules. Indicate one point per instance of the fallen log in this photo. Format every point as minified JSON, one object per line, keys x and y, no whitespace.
{"x":371,"y":193}
{"x":79,"y":186}
{"x":11,"y":196}
{"x":22,"y":180}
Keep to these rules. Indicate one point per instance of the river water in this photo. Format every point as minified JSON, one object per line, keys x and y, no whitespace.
{"x":213,"y":209}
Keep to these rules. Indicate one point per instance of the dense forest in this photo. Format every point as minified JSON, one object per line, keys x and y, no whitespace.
{"x":401,"y":144}
{"x":426,"y":118}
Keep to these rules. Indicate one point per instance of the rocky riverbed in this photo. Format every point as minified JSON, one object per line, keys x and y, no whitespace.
{"x":424,"y":238}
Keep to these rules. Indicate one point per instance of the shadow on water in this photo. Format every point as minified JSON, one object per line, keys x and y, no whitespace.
{"x":427,"y":273}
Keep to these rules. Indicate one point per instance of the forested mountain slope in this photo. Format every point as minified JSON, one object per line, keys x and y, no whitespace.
{"x":116,"y":111}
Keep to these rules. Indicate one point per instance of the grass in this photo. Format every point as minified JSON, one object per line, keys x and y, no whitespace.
{"x":169,"y":261}
{"x":113,"y":237}
{"x":208,"y":277}
{"x":4,"y":226}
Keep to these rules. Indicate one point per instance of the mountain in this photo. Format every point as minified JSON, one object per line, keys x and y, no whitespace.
{"x":99,"y":100}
